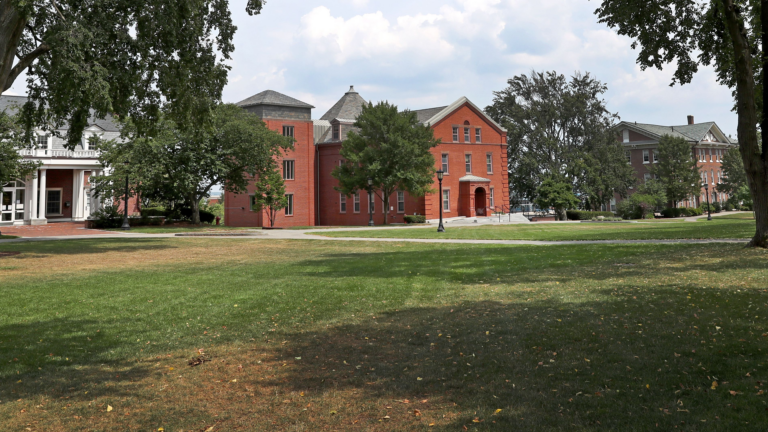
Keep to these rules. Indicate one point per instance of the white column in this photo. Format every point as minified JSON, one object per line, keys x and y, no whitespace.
{"x":30,"y":207}
{"x":41,"y":203}
{"x":77,"y":195}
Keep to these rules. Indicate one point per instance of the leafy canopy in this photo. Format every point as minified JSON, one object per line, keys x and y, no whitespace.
{"x":181,"y":166}
{"x":734,"y":176}
{"x":556,"y":193}
{"x":392,"y":149}
{"x":677,"y":169}
{"x":270,"y":194}
{"x":117,"y":57}
{"x":12,"y":165}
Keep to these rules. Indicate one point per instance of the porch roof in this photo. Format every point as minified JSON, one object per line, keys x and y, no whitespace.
{"x":474,"y":179}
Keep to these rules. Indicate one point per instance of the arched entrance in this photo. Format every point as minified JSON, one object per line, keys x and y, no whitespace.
{"x":480,"y":201}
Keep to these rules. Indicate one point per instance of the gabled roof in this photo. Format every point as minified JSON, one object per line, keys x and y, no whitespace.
{"x":15,"y":102}
{"x":692,"y":133}
{"x":425,"y":114}
{"x":437,"y":116}
{"x":348,"y":107}
{"x":271,"y":97}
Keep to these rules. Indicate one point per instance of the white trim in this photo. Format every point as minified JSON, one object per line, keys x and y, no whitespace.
{"x":61,"y":202}
{"x":454,"y":106}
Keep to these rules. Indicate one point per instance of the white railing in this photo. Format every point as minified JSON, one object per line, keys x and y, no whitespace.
{"x":74,"y":154}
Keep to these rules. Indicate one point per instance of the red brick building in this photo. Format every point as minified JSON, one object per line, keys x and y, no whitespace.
{"x":473,"y":154}
{"x":708,"y":145}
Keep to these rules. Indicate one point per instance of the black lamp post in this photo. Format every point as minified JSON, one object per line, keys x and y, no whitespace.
{"x":440,"y":227}
{"x":709,"y":207}
{"x":370,"y":201}
{"x":126,"y":225}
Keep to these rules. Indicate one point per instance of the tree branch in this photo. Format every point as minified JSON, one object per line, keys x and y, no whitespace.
{"x":53,"y":2}
{"x":24,"y":63}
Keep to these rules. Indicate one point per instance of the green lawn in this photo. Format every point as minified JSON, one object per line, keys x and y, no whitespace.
{"x":716,"y":229}
{"x":312,"y":335}
{"x":180,"y":229}
{"x":741,"y":216}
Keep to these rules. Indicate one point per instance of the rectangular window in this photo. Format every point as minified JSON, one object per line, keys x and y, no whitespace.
{"x":489,"y":163}
{"x":646,"y":157}
{"x":42,"y":141}
{"x":342,"y":203}
{"x":710,"y":155}
{"x":253,"y":202}
{"x":289,"y":207}
{"x":288,"y":169}
{"x":455,"y":134}
{"x":53,"y":202}
{"x":336,"y":132}
{"x":478,"y":135}
{"x":492,"y":200}
{"x":288,"y":131}
{"x":646,"y":176}
{"x":445,"y":163}
{"x":401,"y":202}
{"x":466,"y":134}
{"x":655,"y":156}
{"x":468,"y":163}
{"x":446,"y":200}
{"x":628,"y":155}
{"x":357,"y":202}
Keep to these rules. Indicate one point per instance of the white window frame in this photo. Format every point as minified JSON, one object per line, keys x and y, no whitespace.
{"x":647,"y":176}
{"x":445,"y":200}
{"x":289,"y":169}
{"x":655,"y":156}
{"x":467,"y":135}
{"x":342,"y":203}
{"x":444,"y":162}
{"x":356,"y":203}
{"x":646,"y":156}
{"x":400,"y":202}
{"x":468,"y":162}
{"x":489,"y":163}
{"x":710,"y":154}
{"x":491,"y":198}
{"x":336,"y":132}
{"x":289,"y":207}
{"x":61,"y":201}
{"x":625,"y":135}
{"x":478,"y":135}
{"x":455,"y":134}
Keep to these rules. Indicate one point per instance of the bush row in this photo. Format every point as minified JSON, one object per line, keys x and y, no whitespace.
{"x":681,"y":212}
{"x":205,"y":216}
{"x":415,"y":219}
{"x":587,"y":215}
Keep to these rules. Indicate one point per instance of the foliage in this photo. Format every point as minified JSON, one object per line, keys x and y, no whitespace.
{"x":728,"y":34}
{"x":179,"y":167}
{"x":392,"y":149}
{"x":207,"y":217}
{"x":734,"y":176}
{"x":108,"y":216}
{"x":650,"y":196}
{"x":270,"y":194}
{"x":586,"y":215}
{"x":676,"y":169}
{"x":743,"y":196}
{"x":561,"y":128}
{"x":676,"y":212}
{"x":153,"y":211}
{"x":12,"y":164}
{"x":556,"y":193}
{"x":415,"y":219}
{"x":127,"y":58}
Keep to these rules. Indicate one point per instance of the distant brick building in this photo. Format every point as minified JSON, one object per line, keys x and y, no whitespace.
{"x":473,"y":154}
{"x":708,"y":145}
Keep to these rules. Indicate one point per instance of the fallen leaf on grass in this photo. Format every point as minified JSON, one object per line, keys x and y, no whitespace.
{"x":733,"y":392}
{"x":497,"y":411}
{"x":416,"y":412}
{"x":109,"y":408}
{"x":714,"y":385}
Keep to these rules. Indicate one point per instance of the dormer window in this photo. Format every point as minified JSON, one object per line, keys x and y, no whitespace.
{"x":42,"y":141}
{"x":336,"y":132}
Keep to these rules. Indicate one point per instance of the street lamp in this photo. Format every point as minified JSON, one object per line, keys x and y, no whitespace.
{"x":370,"y":201}
{"x":126,"y":225}
{"x":440,"y":228}
{"x":709,"y":207}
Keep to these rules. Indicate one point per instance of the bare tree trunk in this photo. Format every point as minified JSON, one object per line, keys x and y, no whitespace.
{"x":11,"y":28}
{"x":754,"y":159}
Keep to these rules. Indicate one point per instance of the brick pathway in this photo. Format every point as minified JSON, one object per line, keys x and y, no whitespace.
{"x":51,"y":230}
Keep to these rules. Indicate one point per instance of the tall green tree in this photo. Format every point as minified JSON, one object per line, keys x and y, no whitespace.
{"x":561,"y":128}
{"x":182,"y":166}
{"x":677,"y":169}
{"x":392,"y":149}
{"x":12,"y":164}
{"x":729,"y":34}
{"x":556,"y":193}
{"x":270,"y":193}
{"x":734,"y":177}
{"x":123,"y":57}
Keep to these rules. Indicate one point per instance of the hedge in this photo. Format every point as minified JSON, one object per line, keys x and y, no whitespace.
{"x":681,"y":212}
{"x":415,"y":219}
{"x":587,"y":215}
{"x":153,"y":211}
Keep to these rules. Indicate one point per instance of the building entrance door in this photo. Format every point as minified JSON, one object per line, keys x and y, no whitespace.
{"x":480,"y":201}
{"x":12,"y":202}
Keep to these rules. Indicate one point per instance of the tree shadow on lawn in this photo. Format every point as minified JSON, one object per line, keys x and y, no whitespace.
{"x":35,"y":249}
{"x":545,"y":365}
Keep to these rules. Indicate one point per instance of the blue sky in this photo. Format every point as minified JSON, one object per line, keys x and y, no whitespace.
{"x":427,"y":53}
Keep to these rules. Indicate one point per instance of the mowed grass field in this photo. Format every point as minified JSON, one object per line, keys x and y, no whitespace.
{"x":98,"y":335}
{"x":725,"y":228}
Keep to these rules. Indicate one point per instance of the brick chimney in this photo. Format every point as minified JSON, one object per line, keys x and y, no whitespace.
{"x":690,"y":119}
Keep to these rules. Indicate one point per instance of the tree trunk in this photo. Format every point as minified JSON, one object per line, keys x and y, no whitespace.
{"x":11,"y":28}
{"x":195,"y":211}
{"x":751,"y":154}
{"x":386,"y":208}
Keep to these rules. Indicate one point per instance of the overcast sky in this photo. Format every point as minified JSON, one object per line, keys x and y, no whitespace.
{"x":426,"y":53}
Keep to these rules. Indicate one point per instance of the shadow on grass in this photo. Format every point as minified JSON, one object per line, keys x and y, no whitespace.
{"x":86,"y":246}
{"x":546,"y":366}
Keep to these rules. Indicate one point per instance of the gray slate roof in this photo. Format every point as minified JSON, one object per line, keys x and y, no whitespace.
{"x":425,"y":114}
{"x":271,"y":97}
{"x":693,"y":132}
{"x":14,"y":102}
{"x":348,"y":107}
